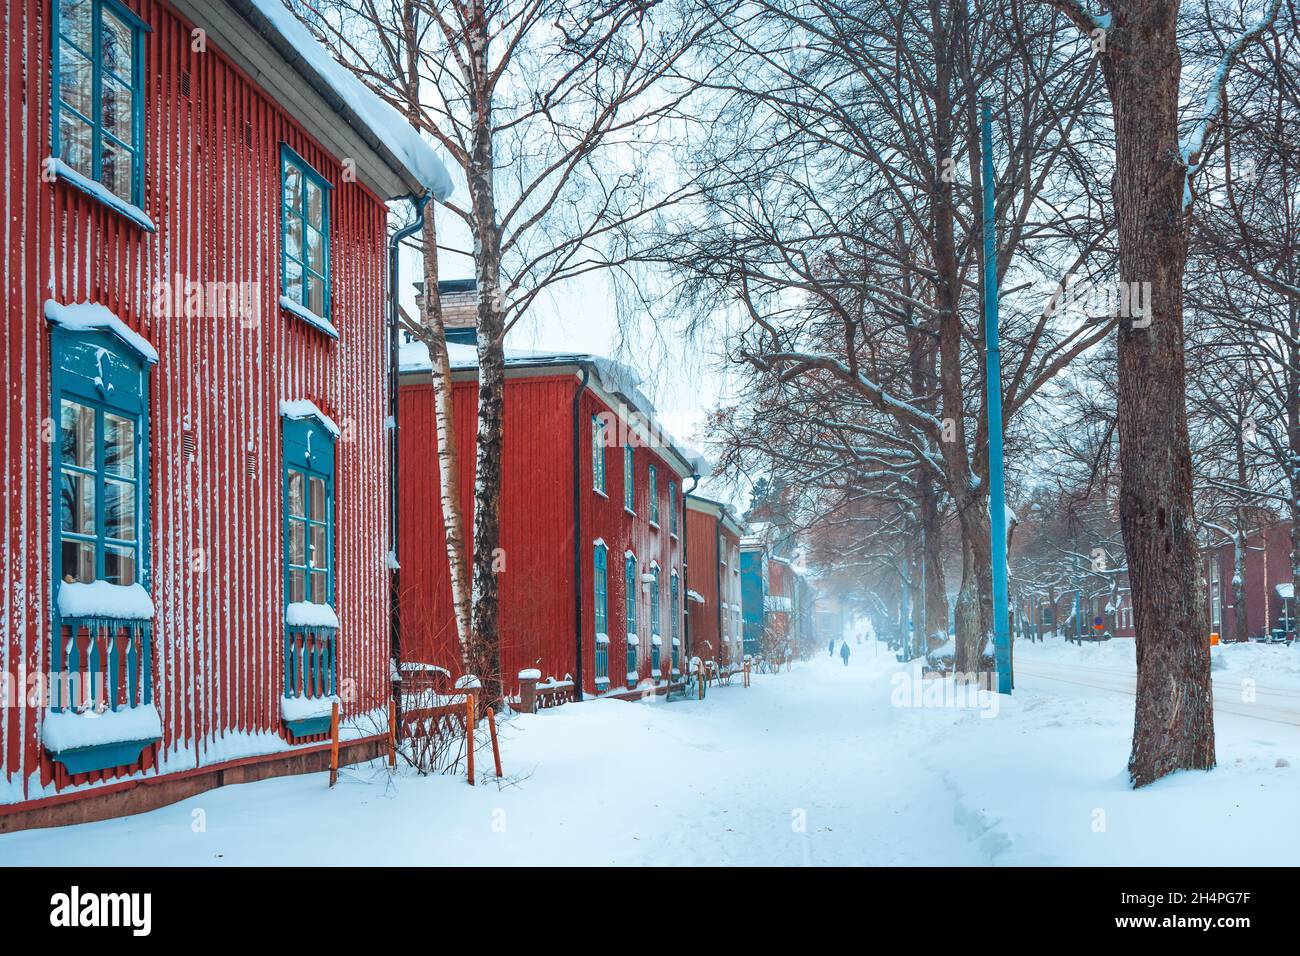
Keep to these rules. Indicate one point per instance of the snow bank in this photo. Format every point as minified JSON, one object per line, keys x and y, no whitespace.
{"x":130,"y":602}
{"x":307,"y":614}
{"x":66,"y":730}
{"x":91,"y":316}
{"x":297,"y":408}
{"x":384,"y":122}
{"x":308,"y":708}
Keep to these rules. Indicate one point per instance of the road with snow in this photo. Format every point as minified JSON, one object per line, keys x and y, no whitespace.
{"x":825,"y":764}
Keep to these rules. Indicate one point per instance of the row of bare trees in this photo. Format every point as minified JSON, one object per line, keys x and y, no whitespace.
{"x":841,"y":224}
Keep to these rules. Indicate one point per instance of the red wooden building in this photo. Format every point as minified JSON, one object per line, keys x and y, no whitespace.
{"x":589,"y":483}
{"x":194,"y":518}
{"x":713,"y":576}
{"x":1268,"y":584}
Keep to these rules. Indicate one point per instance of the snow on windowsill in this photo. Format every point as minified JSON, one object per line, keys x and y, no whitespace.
{"x":297,"y":408}
{"x":293,"y":709}
{"x":656,"y":640}
{"x":633,"y":640}
{"x":101,"y":193}
{"x":100,"y":599}
{"x":307,"y":614}
{"x":632,"y":678}
{"x":91,"y":317}
{"x":656,"y":674}
{"x":67,"y":730}
{"x":307,"y":315}
{"x":602,"y":682}
{"x":677,"y":642}
{"x":602,"y":638}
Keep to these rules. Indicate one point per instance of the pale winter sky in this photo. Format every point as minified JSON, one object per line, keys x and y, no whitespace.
{"x":683,"y":379}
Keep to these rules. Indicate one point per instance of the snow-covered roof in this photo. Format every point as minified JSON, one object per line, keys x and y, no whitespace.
{"x":612,"y":376}
{"x":383,"y":128}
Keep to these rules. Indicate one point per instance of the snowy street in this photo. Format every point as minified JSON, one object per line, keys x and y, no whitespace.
{"x":816,"y":766}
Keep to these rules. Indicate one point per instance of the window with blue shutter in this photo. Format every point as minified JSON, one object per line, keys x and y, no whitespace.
{"x":676,"y":611}
{"x":98,"y":122}
{"x":629,"y":575}
{"x":311,"y":624}
{"x":599,"y":559}
{"x":101,"y":654}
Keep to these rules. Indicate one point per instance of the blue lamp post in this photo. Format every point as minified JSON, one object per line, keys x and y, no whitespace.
{"x":993,"y":382}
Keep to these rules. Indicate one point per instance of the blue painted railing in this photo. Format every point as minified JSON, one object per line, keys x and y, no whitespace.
{"x":102,"y":663}
{"x":310,"y":661}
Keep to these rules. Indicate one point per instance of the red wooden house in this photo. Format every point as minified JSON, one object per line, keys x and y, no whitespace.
{"x":193,"y":565}
{"x":1268,"y":584}
{"x":589,"y":483}
{"x":713,"y":578}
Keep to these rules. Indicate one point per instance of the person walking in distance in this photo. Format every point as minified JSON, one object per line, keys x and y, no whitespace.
{"x":844,"y":653}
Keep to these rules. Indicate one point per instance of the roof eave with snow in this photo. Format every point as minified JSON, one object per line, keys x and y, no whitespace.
{"x":351,"y":122}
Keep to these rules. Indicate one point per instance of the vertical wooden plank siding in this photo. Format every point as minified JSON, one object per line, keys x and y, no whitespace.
{"x":703,"y":573}
{"x":537,"y":614}
{"x":215,"y":518}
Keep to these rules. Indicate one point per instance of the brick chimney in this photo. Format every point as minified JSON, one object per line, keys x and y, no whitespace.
{"x":459,"y":308}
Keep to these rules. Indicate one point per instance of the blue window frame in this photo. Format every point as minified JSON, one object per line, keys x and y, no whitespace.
{"x":654,"y":602}
{"x":675,"y":609}
{"x":597,"y":454}
{"x":308,"y":511}
{"x":98,"y":116}
{"x":652,"y":487}
{"x":101,"y":405}
{"x":629,"y":480}
{"x":629,"y":582}
{"x":305,"y":250}
{"x":672,"y":507}
{"x":600,"y":575}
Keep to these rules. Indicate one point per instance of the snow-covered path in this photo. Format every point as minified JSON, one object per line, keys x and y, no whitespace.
{"x":821,"y":765}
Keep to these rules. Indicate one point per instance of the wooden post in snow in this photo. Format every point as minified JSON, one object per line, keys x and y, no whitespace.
{"x":392,"y":734}
{"x":334,"y":744}
{"x":469,"y":734}
{"x":496,"y":750}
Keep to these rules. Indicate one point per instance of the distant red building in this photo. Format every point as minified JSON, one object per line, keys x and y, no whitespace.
{"x":588,"y":483}
{"x":1270,"y":602}
{"x":713,"y":576}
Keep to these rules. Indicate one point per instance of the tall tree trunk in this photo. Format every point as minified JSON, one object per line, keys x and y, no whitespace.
{"x":434,"y":336}
{"x":1173,"y":726}
{"x":486,"y":638}
{"x":453,"y":518}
